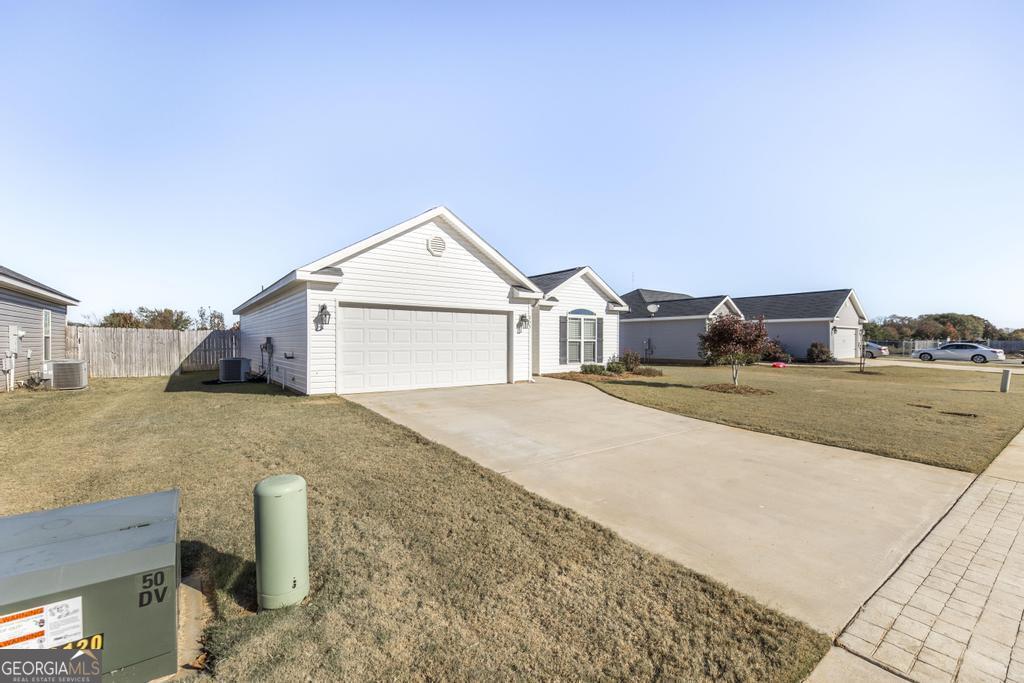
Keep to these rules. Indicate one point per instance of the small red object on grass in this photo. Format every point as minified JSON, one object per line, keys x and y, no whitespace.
{"x":778,"y":365}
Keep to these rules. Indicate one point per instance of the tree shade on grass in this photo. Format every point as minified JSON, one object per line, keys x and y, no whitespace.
{"x":908,"y":413}
{"x":423,"y":564}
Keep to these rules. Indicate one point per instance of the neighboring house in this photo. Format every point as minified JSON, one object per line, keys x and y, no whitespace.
{"x":667,"y":325}
{"x":32,"y":321}
{"x":576,"y":322}
{"x":426,"y":303}
{"x":833,"y":317}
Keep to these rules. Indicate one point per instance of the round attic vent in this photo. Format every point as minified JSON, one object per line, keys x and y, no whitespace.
{"x":436,"y":245}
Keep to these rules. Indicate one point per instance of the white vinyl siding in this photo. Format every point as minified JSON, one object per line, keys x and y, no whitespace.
{"x":399,"y":273}
{"x":284,"y":319}
{"x":402,"y":272}
{"x":578,"y":293}
{"x":322,"y":342}
{"x":25,"y":311}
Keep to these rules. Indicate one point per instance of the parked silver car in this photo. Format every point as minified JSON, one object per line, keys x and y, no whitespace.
{"x":873,"y":350}
{"x":977,"y":353}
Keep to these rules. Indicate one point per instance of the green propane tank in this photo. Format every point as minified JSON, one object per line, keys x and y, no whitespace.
{"x":282,"y":541}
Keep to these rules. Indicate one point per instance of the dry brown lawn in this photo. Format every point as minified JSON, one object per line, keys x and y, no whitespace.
{"x":939,"y":417}
{"x":424,"y":565}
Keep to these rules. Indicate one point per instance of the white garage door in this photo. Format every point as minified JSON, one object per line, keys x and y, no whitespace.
{"x":387,"y":349}
{"x":844,"y":344}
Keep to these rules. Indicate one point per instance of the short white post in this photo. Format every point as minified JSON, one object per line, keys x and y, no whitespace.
{"x":1004,"y":386}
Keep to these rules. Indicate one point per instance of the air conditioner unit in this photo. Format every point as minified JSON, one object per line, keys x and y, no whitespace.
{"x":69,"y":374}
{"x":234,"y":369}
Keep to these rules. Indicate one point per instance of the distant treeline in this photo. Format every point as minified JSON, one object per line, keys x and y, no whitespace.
{"x":162,"y":319}
{"x":938,"y":326}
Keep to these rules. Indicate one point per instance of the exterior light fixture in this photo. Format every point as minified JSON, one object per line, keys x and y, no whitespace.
{"x":322,"y":319}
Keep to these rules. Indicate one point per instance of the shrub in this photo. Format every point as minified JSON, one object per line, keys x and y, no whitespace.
{"x":615,"y":367}
{"x":818,"y":352}
{"x":630,"y":359}
{"x":774,"y":353}
{"x":592,"y":369}
{"x":645,"y":371}
{"x":731,"y":340}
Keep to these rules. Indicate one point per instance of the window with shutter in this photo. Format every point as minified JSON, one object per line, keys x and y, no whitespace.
{"x":581,"y":339}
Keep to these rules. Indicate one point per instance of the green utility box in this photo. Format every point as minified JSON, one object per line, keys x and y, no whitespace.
{"x":282,"y":541}
{"x":97,"y":576}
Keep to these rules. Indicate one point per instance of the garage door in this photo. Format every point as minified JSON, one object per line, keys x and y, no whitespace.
{"x":387,"y":349}
{"x":844,"y":343}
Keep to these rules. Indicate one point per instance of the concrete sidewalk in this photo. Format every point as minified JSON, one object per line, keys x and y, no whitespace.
{"x":809,"y":529}
{"x":1015,"y":367}
{"x":953,"y":610}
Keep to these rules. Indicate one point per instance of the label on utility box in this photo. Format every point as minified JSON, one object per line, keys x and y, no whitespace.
{"x":42,"y":627}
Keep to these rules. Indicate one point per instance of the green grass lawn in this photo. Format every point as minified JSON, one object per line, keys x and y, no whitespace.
{"x":424,"y":565}
{"x":893,"y":411}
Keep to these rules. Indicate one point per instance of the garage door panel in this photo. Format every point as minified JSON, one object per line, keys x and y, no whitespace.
{"x":391,"y":348}
{"x":845,"y":343}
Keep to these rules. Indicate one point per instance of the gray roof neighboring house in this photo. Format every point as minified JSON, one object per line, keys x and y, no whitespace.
{"x":548,"y":281}
{"x":653,"y":296}
{"x":671,"y":308}
{"x":18,"y":277}
{"x":799,"y":305}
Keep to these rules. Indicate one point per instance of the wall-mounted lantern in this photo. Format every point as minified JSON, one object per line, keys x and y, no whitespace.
{"x":523,"y":323}
{"x":322,"y":319}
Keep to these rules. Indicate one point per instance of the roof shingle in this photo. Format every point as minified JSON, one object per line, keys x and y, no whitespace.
{"x":547,"y":281}
{"x":824,"y":304}
{"x":7,"y":272}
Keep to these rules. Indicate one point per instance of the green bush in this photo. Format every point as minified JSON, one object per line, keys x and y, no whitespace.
{"x":630,"y":359}
{"x":818,"y":352}
{"x":648,"y":372}
{"x":615,"y":367}
{"x":592,"y":369}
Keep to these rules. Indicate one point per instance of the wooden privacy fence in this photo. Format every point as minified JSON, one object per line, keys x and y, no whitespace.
{"x":133,"y":352}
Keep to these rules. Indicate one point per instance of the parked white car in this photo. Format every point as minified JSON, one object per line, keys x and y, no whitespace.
{"x":873,"y":350}
{"x":976,"y":353}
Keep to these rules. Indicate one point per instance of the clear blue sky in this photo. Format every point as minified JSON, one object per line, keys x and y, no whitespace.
{"x":183,"y":154}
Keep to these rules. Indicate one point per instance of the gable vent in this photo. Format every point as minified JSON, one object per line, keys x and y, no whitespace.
{"x":436,"y":245}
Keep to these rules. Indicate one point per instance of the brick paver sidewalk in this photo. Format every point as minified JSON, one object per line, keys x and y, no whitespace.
{"x":953,"y":610}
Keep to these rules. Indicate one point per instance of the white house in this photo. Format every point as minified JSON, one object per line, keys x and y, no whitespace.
{"x":426,"y":303}
{"x":667,"y":325}
{"x":576,"y":322}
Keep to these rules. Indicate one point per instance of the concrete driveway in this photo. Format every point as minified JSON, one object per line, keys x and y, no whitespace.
{"x":811,"y":530}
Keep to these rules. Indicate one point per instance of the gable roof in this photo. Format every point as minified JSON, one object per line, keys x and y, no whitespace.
{"x":550,"y":282}
{"x":324,"y":270}
{"x":690,"y":307}
{"x":15,"y":280}
{"x":823,"y":305}
{"x":653,"y":296}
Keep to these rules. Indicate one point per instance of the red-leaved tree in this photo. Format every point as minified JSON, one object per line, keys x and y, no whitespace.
{"x":734,"y":341}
